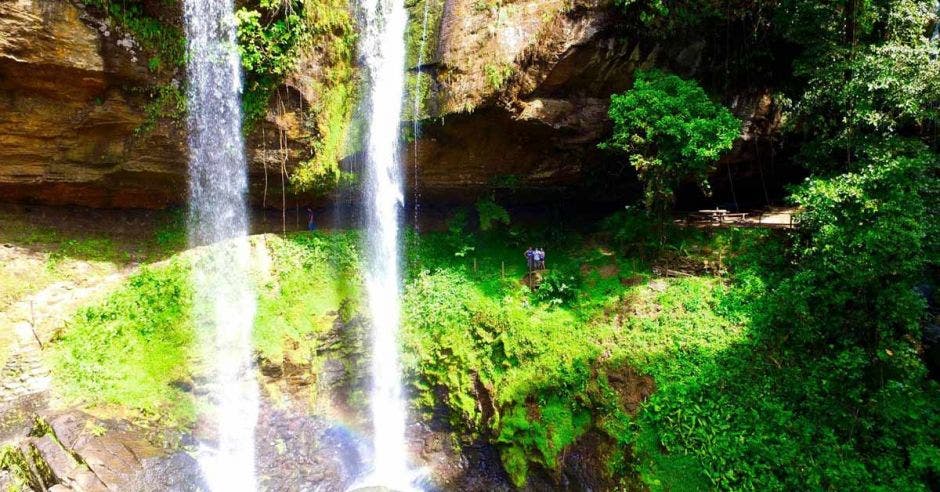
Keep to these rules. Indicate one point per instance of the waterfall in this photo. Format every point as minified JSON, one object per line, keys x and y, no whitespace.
{"x":224,"y":301}
{"x":383,"y":50}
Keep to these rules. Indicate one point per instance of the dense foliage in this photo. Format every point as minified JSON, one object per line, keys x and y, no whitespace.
{"x":672,"y":131}
{"x":828,"y":391}
{"x":272,"y":37}
{"x":534,"y":370}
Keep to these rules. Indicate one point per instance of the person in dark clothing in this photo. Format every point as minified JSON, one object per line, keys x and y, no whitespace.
{"x":311,"y":225}
{"x":530,"y":258}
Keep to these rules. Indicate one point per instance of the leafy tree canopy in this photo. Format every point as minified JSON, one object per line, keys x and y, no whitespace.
{"x":672,"y":131}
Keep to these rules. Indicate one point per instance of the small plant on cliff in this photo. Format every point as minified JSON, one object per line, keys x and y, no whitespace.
{"x":497,"y":75}
{"x":672,"y":131}
{"x":162,"y":41}
{"x":166,"y":101}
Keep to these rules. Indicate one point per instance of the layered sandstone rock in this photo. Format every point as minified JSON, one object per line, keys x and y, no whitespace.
{"x":71,"y":98}
{"x":523,"y":97}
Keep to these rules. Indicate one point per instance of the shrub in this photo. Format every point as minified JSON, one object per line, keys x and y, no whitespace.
{"x":491,"y":214}
{"x":558,"y":286}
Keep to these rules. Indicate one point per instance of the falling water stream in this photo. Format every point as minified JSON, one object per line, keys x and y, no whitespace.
{"x":224,"y":301}
{"x":383,"y":50}
{"x":416,"y":109}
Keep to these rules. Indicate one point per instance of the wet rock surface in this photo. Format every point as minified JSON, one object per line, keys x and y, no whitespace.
{"x":305,"y":453}
{"x":449,"y":466}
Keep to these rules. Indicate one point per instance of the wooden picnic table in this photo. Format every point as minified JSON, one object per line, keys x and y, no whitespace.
{"x":720,"y":214}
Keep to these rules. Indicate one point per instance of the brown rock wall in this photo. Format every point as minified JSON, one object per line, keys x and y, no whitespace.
{"x":71,"y":99}
{"x":521,"y":92}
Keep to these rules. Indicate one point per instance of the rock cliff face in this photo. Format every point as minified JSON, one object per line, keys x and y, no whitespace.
{"x":519,"y":91}
{"x":74,"y":91}
{"x":68,"y":111}
{"x":523,"y":94}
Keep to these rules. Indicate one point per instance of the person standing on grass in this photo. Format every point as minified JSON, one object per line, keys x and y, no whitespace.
{"x":311,"y":225}
{"x":530,"y":259}
{"x":540,"y":258}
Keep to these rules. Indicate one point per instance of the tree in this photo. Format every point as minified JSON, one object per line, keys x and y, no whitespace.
{"x":871,"y":86}
{"x":865,"y":97}
{"x":672,"y":130}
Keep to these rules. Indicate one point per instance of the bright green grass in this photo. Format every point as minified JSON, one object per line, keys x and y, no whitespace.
{"x":131,"y":348}
{"x":540,"y":358}
{"x":675,"y":337}
{"x":313,"y":280}
{"x":138,"y":349}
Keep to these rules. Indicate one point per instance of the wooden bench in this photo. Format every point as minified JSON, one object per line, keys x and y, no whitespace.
{"x":737,"y":216}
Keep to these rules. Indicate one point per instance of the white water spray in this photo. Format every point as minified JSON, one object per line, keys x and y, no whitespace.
{"x":383,"y":49}
{"x":224,"y":301}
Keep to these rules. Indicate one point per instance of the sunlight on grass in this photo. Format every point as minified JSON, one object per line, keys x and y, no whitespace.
{"x":676,"y":326}
{"x":137,"y":348}
{"x":132,"y":347}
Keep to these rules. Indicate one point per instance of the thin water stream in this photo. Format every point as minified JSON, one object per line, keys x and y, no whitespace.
{"x":416,"y":110}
